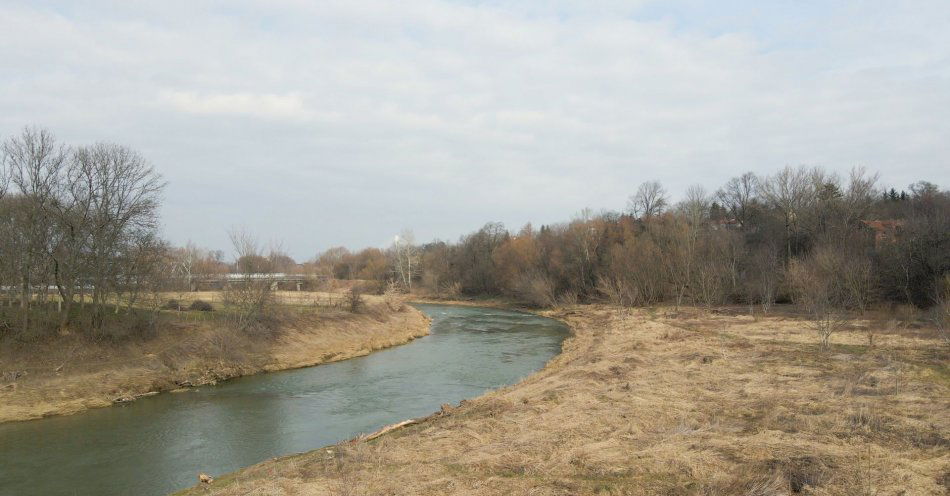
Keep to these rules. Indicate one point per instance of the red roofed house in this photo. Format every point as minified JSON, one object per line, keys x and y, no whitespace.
{"x":885,"y":231}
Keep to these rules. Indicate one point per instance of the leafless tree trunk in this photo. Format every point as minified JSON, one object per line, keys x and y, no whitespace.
{"x":406,"y":258}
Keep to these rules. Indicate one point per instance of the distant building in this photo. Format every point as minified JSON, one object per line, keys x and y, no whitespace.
{"x":885,"y":231}
{"x":728,"y":224}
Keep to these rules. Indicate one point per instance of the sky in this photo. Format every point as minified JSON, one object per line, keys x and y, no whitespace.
{"x":344,"y":122}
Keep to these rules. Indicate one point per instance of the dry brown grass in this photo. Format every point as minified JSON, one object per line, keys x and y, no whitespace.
{"x":641,"y":403}
{"x":72,"y":373}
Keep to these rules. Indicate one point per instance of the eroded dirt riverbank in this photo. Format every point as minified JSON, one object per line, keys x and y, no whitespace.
{"x":64,"y":379}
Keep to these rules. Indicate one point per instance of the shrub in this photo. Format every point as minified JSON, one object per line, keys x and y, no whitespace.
{"x":172,"y":304}
{"x":617,"y":291}
{"x":201,"y":306}
{"x":536,"y":290}
{"x":353,"y":300}
{"x":135,"y":325}
{"x":819,"y":291}
{"x":567,"y":299}
{"x":393,"y":298}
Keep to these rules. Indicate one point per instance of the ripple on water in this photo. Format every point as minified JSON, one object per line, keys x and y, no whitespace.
{"x":157,"y":445}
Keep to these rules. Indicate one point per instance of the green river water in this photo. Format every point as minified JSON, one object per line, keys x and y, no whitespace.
{"x":159,"y":444}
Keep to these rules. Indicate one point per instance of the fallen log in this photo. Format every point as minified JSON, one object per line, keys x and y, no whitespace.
{"x":385,"y":430}
{"x":446,"y":409}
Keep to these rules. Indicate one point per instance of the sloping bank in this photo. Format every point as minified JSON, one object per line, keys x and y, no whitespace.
{"x":644,"y":402}
{"x":66,"y":379}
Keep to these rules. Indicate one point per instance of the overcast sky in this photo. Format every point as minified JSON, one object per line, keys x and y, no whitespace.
{"x":343,"y":122}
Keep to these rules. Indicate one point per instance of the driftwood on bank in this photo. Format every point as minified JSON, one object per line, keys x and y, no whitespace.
{"x":387,"y":429}
{"x":445,"y":410}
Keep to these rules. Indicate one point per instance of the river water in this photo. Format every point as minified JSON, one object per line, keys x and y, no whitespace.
{"x":157,"y":445}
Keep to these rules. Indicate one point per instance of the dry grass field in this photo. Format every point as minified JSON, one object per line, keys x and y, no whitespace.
{"x":647,"y":403}
{"x":71,"y":373}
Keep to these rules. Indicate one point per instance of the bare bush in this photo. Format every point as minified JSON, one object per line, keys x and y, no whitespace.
{"x":568,"y":298}
{"x":353,"y":300}
{"x":710,"y":282}
{"x":393,"y":297}
{"x":819,"y":291}
{"x":201,"y":306}
{"x":617,"y":291}
{"x":251,"y":295}
{"x":536,"y":290}
{"x":451,"y":290}
{"x":172,"y":304}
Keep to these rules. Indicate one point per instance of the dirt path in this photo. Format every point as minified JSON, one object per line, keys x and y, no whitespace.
{"x":642,"y":403}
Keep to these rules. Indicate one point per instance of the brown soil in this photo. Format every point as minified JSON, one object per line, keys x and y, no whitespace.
{"x":647,"y":403}
{"x":72,"y":374}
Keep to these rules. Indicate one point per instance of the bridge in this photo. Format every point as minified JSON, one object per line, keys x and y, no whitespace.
{"x":279,"y":280}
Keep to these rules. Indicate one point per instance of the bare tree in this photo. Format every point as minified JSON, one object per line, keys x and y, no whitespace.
{"x":641,"y":264}
{"x":617,"y":291}
{"x":650,"y":200}
{"x":69,"y":241}
{"x":860,"y":195}
{"x":764,"y":276}
{"x":336,"y":263}
{"x":36,"y":163}
{"x":141,"y":259}
{"x":251,"y":295}
{"x":738,"y":196}
{"x":694,"y":211}
{"x":819,"y":290}
{"x":4,"y":176}
{"x":186,"y":260}
{"x":406,"y":258}
{"x":583,"y":236}
{"x":856,"y":274}
{"x":124,"y":198}
{"x":716,"y":269}
{"x":789,"y":191}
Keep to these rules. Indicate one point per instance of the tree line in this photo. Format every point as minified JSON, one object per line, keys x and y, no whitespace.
{"x":80,"y":246}
{"x":801,"y":235}
{"x":78,"y":232}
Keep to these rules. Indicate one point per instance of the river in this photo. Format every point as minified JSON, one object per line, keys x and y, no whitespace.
{"x":157,"y":445}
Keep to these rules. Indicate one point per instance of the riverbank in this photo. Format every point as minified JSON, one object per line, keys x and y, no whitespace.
{"x":71,"y":374}
{"x":648,"y":402}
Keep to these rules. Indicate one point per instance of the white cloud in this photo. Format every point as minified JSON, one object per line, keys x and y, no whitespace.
{"x":441,"y":114}
{"x":259,"y":105}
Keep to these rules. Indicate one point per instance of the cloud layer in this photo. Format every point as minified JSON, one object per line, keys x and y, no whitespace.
{"x":342,"y":122}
